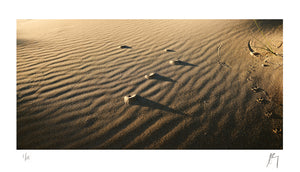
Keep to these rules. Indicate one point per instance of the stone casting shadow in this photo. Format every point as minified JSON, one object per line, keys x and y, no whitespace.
{"x":125,"y":47}
{"x":162,"y":78}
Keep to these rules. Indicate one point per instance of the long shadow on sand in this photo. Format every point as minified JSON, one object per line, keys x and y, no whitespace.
{"x":169,"y":50}
{"x":182,"y":63}
{"x":125,"y":47}
{"x":162,"y":78}
{"x":141,"y":101}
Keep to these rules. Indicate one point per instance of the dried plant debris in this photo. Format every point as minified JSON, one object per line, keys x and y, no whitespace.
{"x":252,"y":52}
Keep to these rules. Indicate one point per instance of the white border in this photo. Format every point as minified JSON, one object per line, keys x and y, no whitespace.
{"x":149,"y":160}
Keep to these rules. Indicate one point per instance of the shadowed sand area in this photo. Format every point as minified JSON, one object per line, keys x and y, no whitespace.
{"x":72,"y":76}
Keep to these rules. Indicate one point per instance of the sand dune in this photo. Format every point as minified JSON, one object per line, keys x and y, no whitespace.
{"x":72,"y":76}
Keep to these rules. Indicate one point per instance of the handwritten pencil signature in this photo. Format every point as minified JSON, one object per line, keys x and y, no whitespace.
{"x":271,"y":157}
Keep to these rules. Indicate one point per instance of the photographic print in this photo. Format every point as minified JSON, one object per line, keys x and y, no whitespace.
{"x":149,"y":84}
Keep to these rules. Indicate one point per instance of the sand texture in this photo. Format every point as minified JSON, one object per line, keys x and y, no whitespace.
{"x":208,"y":91}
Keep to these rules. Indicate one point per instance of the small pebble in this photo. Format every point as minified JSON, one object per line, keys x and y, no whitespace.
{"x":129,"y":99}
{"x":151,"y":75}
{"x":168,"y":50}
{"x":174,"y":62}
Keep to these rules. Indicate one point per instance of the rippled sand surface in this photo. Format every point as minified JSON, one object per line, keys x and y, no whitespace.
{"x":72,"y":77}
